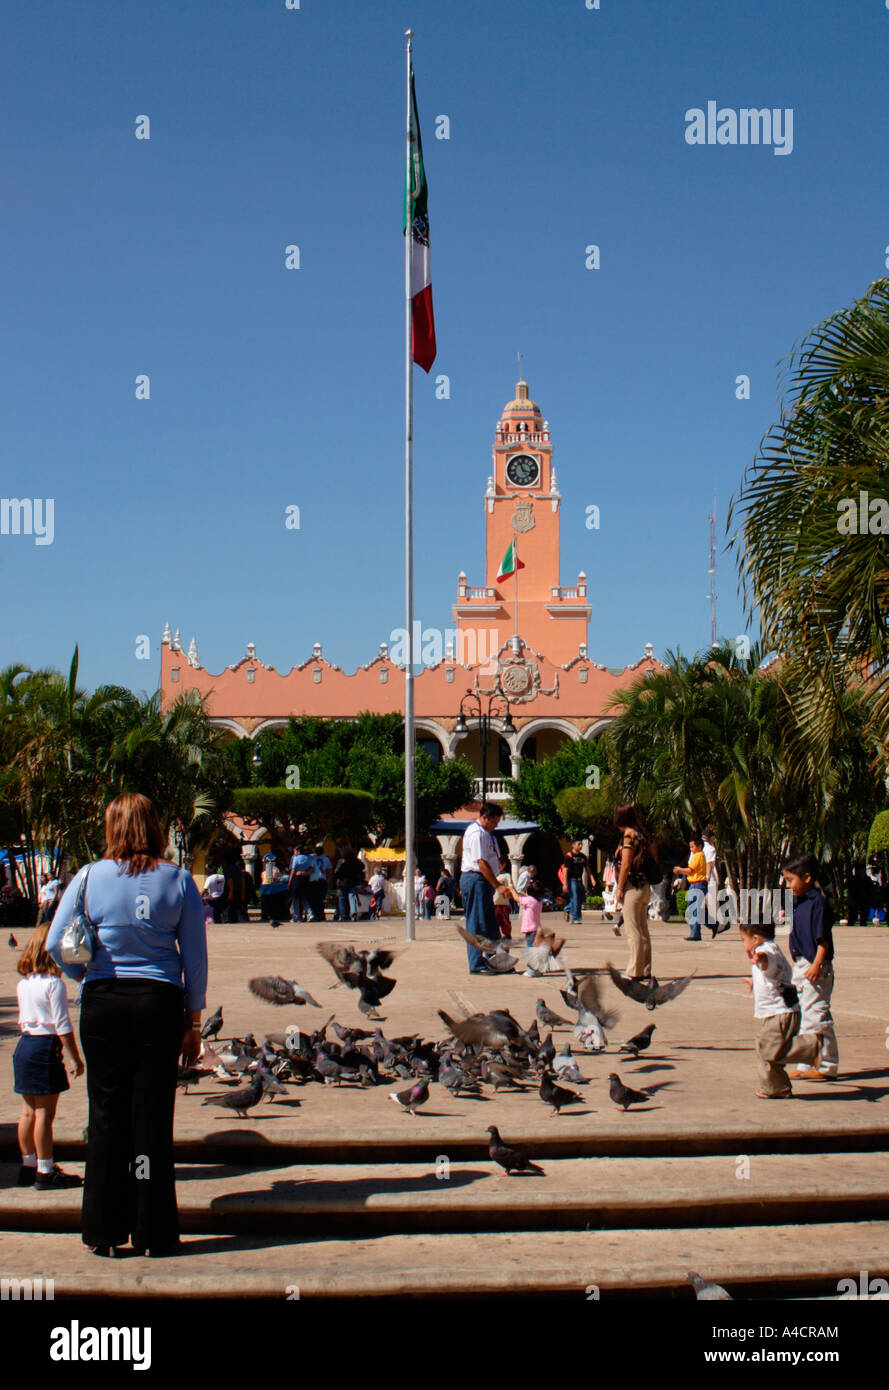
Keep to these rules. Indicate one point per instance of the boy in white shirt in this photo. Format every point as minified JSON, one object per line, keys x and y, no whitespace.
{"x":776,"y":1004}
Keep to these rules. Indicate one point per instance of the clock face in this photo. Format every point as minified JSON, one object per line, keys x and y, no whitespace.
{"x":523,"y":470}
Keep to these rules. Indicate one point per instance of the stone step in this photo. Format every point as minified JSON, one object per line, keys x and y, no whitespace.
{"x":277,"y":1132}
{"x":573,"y":1194}
{"x":759,"y":1262}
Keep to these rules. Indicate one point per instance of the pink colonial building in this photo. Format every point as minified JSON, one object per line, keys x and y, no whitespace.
{"x":522,"y":638}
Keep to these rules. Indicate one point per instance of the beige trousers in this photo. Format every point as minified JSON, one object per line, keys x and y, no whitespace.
{"x":636,"y":926}
{"x":779,"y":1041}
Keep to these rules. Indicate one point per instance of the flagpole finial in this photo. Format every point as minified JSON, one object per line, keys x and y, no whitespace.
{"x":408,"y":33}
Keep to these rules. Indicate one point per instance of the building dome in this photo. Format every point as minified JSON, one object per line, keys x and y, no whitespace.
{"x":522,"y":405}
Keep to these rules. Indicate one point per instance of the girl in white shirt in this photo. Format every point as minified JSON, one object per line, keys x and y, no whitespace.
{"x":40,"y":1078}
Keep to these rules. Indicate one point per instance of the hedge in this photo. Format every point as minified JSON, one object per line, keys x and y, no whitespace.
{"x":878,"y":839}
{"x":326,"y":808}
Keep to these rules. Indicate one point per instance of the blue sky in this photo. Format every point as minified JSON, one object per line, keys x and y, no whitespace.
{"x":271,"y":387}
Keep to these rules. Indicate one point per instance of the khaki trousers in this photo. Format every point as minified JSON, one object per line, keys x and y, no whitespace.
{"x":636,"y":925}
{"x":779,"y":1041}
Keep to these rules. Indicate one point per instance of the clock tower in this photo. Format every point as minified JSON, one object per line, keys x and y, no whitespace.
{"x":522,"y":507}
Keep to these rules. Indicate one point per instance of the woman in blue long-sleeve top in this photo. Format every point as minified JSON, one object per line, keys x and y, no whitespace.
{"x":143,"y":993}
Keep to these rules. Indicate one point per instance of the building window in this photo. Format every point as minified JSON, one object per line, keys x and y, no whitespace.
{"x":251,"y":674}
{"x":316,"y":676}
{"x":449,"y":673}
{"x":384,"y":675}
{"x":174,"y":673}
{"x":582,"y":674}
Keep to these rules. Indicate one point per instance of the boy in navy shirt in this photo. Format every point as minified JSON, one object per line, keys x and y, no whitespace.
{"x":811,"y":948}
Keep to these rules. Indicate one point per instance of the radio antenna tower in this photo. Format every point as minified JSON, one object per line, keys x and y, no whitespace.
{"x":712,"y":573}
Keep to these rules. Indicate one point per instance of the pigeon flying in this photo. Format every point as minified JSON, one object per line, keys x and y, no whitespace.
{"x":510,"y":1160}
{"x":649,"y":992}
{"x":279,"y":991}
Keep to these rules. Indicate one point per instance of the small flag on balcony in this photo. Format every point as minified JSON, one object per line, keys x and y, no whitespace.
{"x":510,"y":563}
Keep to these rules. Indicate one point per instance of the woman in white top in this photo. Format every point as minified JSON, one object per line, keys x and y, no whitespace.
{"x":40,"y":1077}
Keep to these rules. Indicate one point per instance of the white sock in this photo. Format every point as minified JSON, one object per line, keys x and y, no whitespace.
{"x":29,"y":1160}
{"x":45,"y":1165}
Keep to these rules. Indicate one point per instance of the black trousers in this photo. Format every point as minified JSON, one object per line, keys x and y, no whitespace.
{"x":131,"y":1035}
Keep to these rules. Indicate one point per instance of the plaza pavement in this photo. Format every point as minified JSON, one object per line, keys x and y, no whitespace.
{"x":705,"y":1174}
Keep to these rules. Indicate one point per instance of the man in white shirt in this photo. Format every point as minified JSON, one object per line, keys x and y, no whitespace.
{"x":378,"y":888}
{"x":712,"y":883}
{"x":47,"y":898}
{"x":479,"y":868}
{"x":214,"y":893}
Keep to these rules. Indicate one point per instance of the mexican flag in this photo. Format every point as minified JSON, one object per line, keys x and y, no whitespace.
{"x":416,"y":216}
{"x":509,"y":564}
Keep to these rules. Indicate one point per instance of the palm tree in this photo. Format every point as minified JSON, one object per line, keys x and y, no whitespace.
{"x":711,"y":739}
{"x":822,"y":592}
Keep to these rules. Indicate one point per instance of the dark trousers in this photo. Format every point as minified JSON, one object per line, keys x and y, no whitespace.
{"x":131,"y":1035}
{"x":478,"y":905}
{"x":299,"y":898}
{"x":317,"y":892}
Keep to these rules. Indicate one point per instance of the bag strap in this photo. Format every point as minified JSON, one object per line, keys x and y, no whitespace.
{"x":80,"y":908}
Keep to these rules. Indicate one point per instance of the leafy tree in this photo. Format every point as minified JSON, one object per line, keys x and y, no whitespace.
{"x":711,"y":739}
{"x":534,"y":791}
{"x":822,"y":594}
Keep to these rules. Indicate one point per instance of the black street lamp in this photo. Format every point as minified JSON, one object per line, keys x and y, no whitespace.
{"x":484,"y":725}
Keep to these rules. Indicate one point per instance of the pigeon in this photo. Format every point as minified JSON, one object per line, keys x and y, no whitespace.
{"x":547,"y":1019}
{"x":241,"y":1100}
{"x":12,"y":942}
{"x":498,"y":1075}
{"x":497,"y":957}
{"x":270,"y":1084}
{"x":279,"y":991}
{"x":592,"y":1017}
{"x":414,"y":1095}
{"x":510,"y":1160}
{"x":639,"y":1043}
{"x":213,"y":1025}
{"x":556,"y":1096}
{"x":454,"y":1078}
{"x":328,"y":1067}
{"x":189,"y":1076}
{"x":546,"y":1053}
{"x":567,"y":1069}
{"x":650,"y":992}
{"x":622,"y":1095}
{"x":483,"y":1030}
{"x":705,"y":1291}
{"x":360,"y":970}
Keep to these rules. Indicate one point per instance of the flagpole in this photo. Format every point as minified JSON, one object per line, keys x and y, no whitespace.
{"x":515,"y":590}
{"x":409,"y":749}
